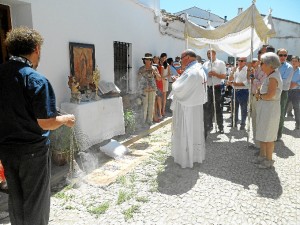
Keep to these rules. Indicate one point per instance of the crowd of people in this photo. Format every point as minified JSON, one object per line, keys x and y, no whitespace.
{"x":264,"y":85}
{"x":260,"y":88}
{"x":155,"y":80}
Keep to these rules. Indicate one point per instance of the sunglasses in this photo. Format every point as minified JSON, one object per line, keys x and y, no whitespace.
{"x":183,"y":57}
{"x":242,"y":60}
{"x":282,"y":55}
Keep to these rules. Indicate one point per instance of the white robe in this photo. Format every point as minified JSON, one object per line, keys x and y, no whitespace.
{"x":189,"y":95}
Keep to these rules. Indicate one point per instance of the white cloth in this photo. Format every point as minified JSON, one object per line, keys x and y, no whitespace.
{"x":233,"y":37}
{"x":96,"y":121}
{"x":219,"y":67}
{"x":188,"y":142}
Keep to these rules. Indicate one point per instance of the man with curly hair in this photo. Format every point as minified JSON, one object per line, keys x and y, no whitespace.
{"x":27,"y":114}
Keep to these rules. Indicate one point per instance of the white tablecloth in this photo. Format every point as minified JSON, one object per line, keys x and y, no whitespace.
{"x":96,"y":121}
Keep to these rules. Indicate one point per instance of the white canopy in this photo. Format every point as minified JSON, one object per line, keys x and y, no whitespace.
{"x":233,"y":37}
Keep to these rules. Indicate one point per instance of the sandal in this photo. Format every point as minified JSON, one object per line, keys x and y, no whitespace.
{"x":156,"y":121}
{"x":3,"y":187}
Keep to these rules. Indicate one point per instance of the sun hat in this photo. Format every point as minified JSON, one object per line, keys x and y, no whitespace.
{"x":148,"y":56}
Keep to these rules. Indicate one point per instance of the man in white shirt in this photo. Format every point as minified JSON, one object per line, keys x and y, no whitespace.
{"x":188,"y":94}
{"x":216,"y":73}
{"x":238,"y":79}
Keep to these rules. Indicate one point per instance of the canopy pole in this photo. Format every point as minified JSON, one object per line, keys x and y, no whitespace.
{"x":186,"y":43}
{"x":250,"y":81}
{"x":185,"y":32}
{"x":233,"y":109}
{"x":213,"y":89}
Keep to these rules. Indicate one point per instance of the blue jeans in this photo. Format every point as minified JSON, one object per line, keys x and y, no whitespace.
{"x":241,"y":100}
{"x":295,"y":98}
{"x":283,"y":103}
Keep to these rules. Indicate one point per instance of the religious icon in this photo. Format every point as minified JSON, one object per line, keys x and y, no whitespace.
{"x":82,"y":63}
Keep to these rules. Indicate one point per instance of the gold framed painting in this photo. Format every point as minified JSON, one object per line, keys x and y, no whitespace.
{"x":82,"y":63}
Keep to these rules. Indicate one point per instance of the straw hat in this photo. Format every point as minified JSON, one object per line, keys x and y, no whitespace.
{"x":148,"y":56}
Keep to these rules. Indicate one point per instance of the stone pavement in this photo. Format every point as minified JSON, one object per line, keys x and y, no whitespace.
{"x":226,"y":189}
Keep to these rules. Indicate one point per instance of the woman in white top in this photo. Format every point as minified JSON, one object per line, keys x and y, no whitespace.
{"x":268,"y":109}
{"x":166,"y":74}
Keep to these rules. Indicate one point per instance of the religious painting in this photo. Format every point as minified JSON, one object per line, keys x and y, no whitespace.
{"x":82,"y":63}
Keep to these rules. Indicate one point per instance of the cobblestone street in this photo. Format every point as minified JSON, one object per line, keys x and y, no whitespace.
{"x":226,"y":189}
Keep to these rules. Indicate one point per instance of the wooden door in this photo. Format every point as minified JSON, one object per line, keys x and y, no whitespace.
{"x":5,"y":26}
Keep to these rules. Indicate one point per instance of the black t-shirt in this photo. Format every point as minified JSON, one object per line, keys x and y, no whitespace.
{"x":25,"y":96}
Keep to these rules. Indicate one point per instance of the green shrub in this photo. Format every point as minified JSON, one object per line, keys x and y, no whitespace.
{"x":129,"y":119}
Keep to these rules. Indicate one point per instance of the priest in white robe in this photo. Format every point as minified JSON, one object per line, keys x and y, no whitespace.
{"x":189,"y":95}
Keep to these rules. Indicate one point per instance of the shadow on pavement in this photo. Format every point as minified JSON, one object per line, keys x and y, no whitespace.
{"x":232,"y":162}
{"x":174,"y":180}
{"x":293,"y":133}
{"x":225,"y":160}
{"x":282,"y":151}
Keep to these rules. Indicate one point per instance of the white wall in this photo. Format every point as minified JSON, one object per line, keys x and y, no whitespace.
{"x":93,"y":22}
{"x":153,"y":4}
{"x":287,"y":36}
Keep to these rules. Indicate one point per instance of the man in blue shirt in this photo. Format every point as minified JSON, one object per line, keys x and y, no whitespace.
{"x":286,"y":71}
{"x":294,"y":93}
{"x":27,"y":113}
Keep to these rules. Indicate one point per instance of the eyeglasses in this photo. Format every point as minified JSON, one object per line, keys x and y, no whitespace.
{"x":282,"y":55}
{"x":182,"y":57}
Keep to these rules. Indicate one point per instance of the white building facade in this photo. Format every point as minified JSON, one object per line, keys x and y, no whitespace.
{"x":136,"y":23}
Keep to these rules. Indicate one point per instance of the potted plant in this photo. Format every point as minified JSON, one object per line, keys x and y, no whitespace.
{"x":60,"y":145}
{"x":129,"y":120}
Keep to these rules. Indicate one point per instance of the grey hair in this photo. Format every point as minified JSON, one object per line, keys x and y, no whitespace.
{"x":190,"y":52}
{"x":271,"y":59}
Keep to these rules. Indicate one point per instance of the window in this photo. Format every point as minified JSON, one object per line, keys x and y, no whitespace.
{"x":122,"y":65}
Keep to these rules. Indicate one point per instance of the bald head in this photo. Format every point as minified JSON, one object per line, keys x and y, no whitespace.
{"x":187,"y":56}
{"x":190,"y":53}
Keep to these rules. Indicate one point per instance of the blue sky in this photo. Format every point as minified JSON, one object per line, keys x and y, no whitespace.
{"x":284,"y":9}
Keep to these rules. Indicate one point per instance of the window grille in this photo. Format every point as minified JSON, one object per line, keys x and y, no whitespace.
{"x":121,"y":66}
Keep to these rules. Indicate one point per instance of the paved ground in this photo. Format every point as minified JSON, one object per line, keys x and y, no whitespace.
{"x":226,"y":189}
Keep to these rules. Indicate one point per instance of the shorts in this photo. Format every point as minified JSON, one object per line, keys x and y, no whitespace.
{"x":159,"y":93}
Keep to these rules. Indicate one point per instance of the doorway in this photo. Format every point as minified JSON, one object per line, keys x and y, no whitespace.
{"x":5,"y":26}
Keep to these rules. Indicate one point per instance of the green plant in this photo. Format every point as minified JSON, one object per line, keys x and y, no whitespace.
{"x":122,"y":180}
{"x":100,"y":209}
{"x":123,"y":196}
{"x":128,"y":213}
{"x":153,"y":186}
{"x":142,"y":199}
{"x":62,"y":195}
{"x":60,"y":139}
{"x":129,"y":119}
{"x":69,"y":207}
